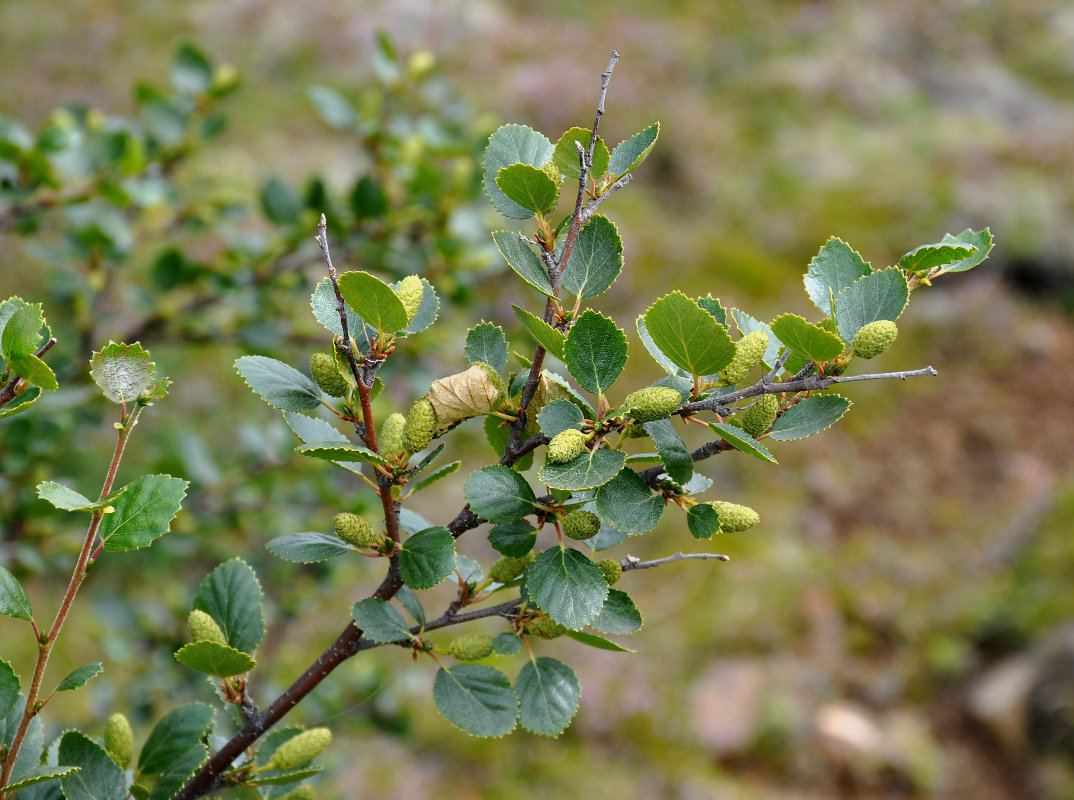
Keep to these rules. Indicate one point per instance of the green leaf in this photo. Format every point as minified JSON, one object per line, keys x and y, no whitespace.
{"x":476,"y":699}
{"x":596,"y":352}
{"x":280,"y":202}
{"x":21,"y":402}
{"x":881,"y":295}
{"x":566,"y":159}
{"x":486,"y":342}
{"x":332,"y":107}
{"x":80,"y":677}
{"x":497,"y":432}
{"x":529,"y":187}
{"x":548,"y":695}
{"x":512,"y":144}
{"x":427,"y":557}
{"x":567,"y":585}
{"x":13,"y":599}
{"x":628,"y":504}
{"x":599,"y":642}
{"x":122,"y":371}
{"x":40,"y":775}
{"x":521,"y":258}
{"x":380,"y":621}
{"x":805,"y":339}
{"x":982,"y":240}
{"x":437,"y":474}
{"x":214,"y":659}
{"x":740,"y":440}
{"x":311,"y":429}
{"x":374,"y":301}
{"x":747,"y":324}
{"x":274,"y":777}
{"x":558,"y":416}
{"x":513,"y":539}
{"x":35,"y":371}
{"x":427,"y":312}
{"x":575,"y":395}
{"x":190,"y":71}
{"x":672,"y":449}
{"x":714,"y":307}
{"x":688,"y":335}
{"x":67,"y":499}
{"x":499,"y":494}
{"x":629,"y":153}
{"x":506,"y":644}
{"x":655,"y":351}
{"x":99,"y":777}
{"x":279,"y":385}
{"x":173,"y":736}
{"x":928,"y":257}
{"x":703,"y":521}
{"x":619,"y":616}
{"x":596,"y":259}
{"x":9,"y":688}
{"x":544,"y":334}
{"x":411,"y":603}
{"x":587,"y":471}
{"x":340,"y":451}
{"x":143,"y":512}
{"x":308,"y":547}
{"x":231,"y":595}
{"x":325,"y":307}
{"x":833,"y":269}
{"x":810,"y":416}
{"x":179,"y":772}
{"x":21,"y":325}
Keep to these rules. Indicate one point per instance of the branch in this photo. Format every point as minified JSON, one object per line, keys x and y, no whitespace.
{"x":596,"y":202}
{"x":633,"y":562}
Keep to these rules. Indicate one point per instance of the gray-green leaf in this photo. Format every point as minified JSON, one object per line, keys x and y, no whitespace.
{"x":688,"y":335}
{"x":9,"y":688}
{"x":280,"y":385}
{"x":543,"y":333}
{"x":176,"y":733}
{"x":548,"y":695}
{"x":587,"y":471}
{"x":810,"y":416}
{"x":308,"y":547}
{"x":833,"y":269}
{"x":672,"y":449}
{"x":629,"y":153}
{"x":122,"y":371}
{"x":512,"y":144}
{"x":596,"y":259}
{"x":380,"y":621}
{"x":567,"y":585}
{"x":476,"y":699}
{"x":558,"y":416}
{"x":740,"y":440}
{"x":628,"y":504}
{"x":99,"y":777}
{"x":521,"y":258}
{"x":486,"y":342}
{"x":881,"y":295}
{"x":619,"y":615}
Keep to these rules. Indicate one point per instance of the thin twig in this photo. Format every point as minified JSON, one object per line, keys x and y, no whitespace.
{"x":632,"y":562}
{"x":596,"y":202}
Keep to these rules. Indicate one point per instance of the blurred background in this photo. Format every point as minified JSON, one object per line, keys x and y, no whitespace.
{"x":899,"y":623}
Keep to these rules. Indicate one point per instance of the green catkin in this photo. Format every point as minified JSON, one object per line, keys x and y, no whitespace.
{"x":581,"y":524}
{"x":566,"y":446}
{"x":759,"y":417}
{"x":749,"y":351}
{"x":300,"y":749}
{"x":203,"y":628}
{"x":420,"y":425}
{"x":874,"y":338}
{"x":326,"y":375}
{"x":735,"y":518}
{"x":652,"y":403}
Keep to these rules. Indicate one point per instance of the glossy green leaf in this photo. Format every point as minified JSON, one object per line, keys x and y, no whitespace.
{"x":881,"y":295}
{"x":833,"y":269}
{"x":499,"y":494}
{"x":982,"y":240}
{"x":179,"y":730}
{"x":688,"y":335}
{"x":340,"y":451}
{"x":628,"y":504}
{"x":595,"y":352}
{"x":513,"y":539}
{"x":13,"y":599}
{"x":427,"y":557}
{"x":568,"y":586}
{"x":810,"y":416}
{"x":374,"y":301}
{"x":703,"y":521}
{"x":380,"y":621}
{"x":80,"y":677}
{"x":548,"y":694}
{"x":190,"y":71}
{"x":34,"y":371}
{"x":231,"y":595}
{"x":22,"y":402}
{"x":566,"y":158}
{"x":740,"y":440}
{"x":67,"y":499}
{"x":598,"y":642}
{"x":214,"y":659}
{"x":142,"y":513}
{"x":333,"y":108}
{"x":629,"y":153}
{"x":98,"y":777}
{"x":123,"y":371}
{"x":619,"y":616}
{"x":587,"y":471}
{"x":512,"y":144}
{"x":21,"y":326}
{"x":558,"y":416}
{"x":661,"y":359}
{"x":672,"y":449}
{"x":179,"y":772}
{"x":529,"y":187}
{"x":308,"y":547}
{"x":928,"y":257}
{"x":9,"y":688}
{"x":486,"y":342}
{"x":278,"y":384}
{"x":523,"y":260}
{"x":805,"y":339}
{"x":596,"y":259}
{"x":476,"y":699}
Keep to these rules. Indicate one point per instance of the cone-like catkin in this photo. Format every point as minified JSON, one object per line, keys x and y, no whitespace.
{"x":300,"y":749}
{"x":749,"y":350}
{"x":203,"y":628}
{"x":119,"y":739}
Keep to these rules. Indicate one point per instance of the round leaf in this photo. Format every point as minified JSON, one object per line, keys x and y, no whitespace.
{"x":499,"y":494}
{"x":881,"y":295}
{"x":587,"y":471}
{"x":486,"y":342}
{"x":703,"y":521}
{"x":567,"y":585}
{"x":512,"y":144}
{"x":548,"y":695}
{"x":619,"y":615}
{"x":476,"y":699}
{"x":558,"y":416}
{"x":833,"y":269}
{"x":805,"y":339}
{"x":427,"y":558}
{"x":380,"y":621}
{"x":566,"y":158}
{"x":214,"y":659}
{"x":596,"y":352}
{"x":231,"y":595}
{"x":374,"y":301}
{"x":528,"y":186}
{"x":689,"y":336}
{"x":628,"y":504}
{"x":514,"y":539}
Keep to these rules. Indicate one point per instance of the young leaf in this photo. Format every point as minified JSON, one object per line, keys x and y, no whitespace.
{"x":214,"y":659}
{"x":529,"y":187}
{"x":499,"y":494}
{"x":672,"y":449}
{"x":810,"y":416}
{"x":513,"y":539}
{"x":567,"y":585}
{"x":374,"y":301}
{"x":438,"y":473}
{"x":231,"y":594}
{"x":703,"y":521}
{"x":380,"y":621}
{"x":176,"y":733}
{"x":928,"y":257}
{"x":596,"y":259}
{"x":656,"y":352}
{"x":881,"y":295}
{"x":982,"y":240}
{"x":628,"y":504}
{"x":340,"y":451}
{"x":427,"y":312}
{"x":833,"y":269}
{"x":21,"y":325}
{"x":629,"y":153}
{"x":67,"y":499}
{"x":512,"y":144}
{"x":544,"y":334}
{"x":21,"y":402}
{"x":80,"y":677}
{"x":566,"y":158}
{"x":619,"y":616}
{"x":476,"y":699}
{"x":486,"y":342}
{"x":596,"y":352}
{"x":548,"y":695}
{"x":598,"y":642}
{"x":9,"y":688}
{"x":143,"y":512}
{"x":13,"y":599}
{"x":427,"y":558}
{"x":688,"y":335}
{"x":122,"y":371}
{"x":805,"y":339}
{"x":740,"y":440}
{"x":279,"y":385}
{"x":521,"y":258}
{"x":99,"y":777}
{"x":558,"y":416}
{"x":35,"y":371}
{"x":587,"y":471}
{"x":179,"y":772}
{"x":308,"y":547}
